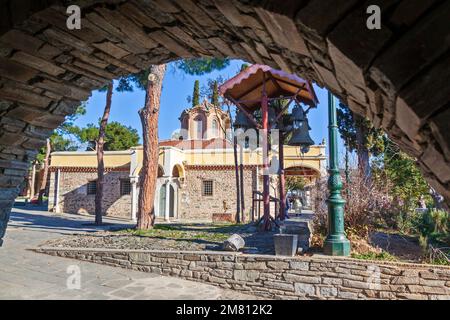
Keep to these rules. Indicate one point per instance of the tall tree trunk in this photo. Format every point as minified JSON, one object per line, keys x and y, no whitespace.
{"x":149,"y":117}
{"x":44,"y":176}
{"x":282,"y":179}
{"x":362,"y":151}
{"x":236,"y":171}
{"x":241,"y":173}
{"x":100,"y":163}
{"x":33,"y":180}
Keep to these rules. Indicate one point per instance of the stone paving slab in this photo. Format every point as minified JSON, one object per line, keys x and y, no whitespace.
{"x":25,"y":274}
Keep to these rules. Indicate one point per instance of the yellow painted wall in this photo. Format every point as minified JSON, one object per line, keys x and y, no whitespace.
{"x":89,"y":159}
{"x":292,"y":157}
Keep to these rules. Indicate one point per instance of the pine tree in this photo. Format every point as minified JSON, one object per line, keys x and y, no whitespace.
{"x":361,"y":136}
{"x":149,"y":117}
{"x":196,"y":94}
{"x":151,"y":81}
{"x":100,"y":161}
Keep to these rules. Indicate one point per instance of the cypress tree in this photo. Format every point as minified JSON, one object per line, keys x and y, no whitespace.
{"x":215,"y":95}
{"x":196,"y":94}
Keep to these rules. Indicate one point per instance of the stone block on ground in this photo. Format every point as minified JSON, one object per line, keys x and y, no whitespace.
{"x":234,"y":243}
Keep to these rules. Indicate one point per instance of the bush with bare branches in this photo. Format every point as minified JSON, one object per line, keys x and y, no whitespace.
{"x":366,"y":203}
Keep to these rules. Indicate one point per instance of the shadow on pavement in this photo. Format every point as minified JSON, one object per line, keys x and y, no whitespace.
{"x":28,"y":217}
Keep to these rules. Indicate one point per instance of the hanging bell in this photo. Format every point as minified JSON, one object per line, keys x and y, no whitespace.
{"x":241,"y":121}
{"x":300,"y":136}
{"x":298,"y":116}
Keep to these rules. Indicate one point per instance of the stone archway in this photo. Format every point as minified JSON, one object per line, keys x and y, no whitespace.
{"x":397,"y":76}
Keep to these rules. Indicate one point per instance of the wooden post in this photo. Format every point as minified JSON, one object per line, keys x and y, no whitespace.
{"x":282,"y":180}
{"x":236,"y":171}
{"x":265,"y":146}
{"x":241,"y":172}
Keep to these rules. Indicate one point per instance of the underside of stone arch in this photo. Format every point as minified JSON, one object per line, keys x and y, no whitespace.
{"x":396,"y":76}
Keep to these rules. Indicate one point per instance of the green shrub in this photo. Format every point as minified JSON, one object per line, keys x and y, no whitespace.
{"x":432,"y":224}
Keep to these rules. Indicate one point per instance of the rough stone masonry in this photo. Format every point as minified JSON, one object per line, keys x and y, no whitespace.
{"x":316,"y":277}
{"x":397,"y":76}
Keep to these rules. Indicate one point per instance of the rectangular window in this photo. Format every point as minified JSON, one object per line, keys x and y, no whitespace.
{"x":207,"y":189}
{"x":92,"y":187}
{"x":125,"y":187}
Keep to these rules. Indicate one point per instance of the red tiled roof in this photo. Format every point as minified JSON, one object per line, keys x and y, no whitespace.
{"x":215,"y":143}
{"x":246,"y":86}
{"x":87,"y":169}
{"x":213,"y":167}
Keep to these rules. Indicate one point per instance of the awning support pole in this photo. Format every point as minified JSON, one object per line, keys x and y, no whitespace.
{"x":282,"y":179}
{"x":265,"y":145}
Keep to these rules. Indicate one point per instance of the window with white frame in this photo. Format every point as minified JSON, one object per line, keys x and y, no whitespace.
{"x":199,"y":127}
{"x":215,"y":131}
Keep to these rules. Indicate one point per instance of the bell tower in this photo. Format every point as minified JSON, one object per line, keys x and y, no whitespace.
{"x":204,"y":122}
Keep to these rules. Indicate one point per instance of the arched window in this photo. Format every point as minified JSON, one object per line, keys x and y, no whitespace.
{"x":199,"y":127}
{"x":160,"y":171}
{"x":184,"y":124}
{"x":175,"y":172}
{"x":215,"y":129}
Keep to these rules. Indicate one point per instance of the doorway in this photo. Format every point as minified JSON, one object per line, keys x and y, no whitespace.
{"x":162,"y":201}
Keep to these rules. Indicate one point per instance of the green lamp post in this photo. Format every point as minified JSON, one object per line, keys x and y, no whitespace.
{"x":336,"y":243}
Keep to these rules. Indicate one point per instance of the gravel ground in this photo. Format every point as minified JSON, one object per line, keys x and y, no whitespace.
{"x":190,"y":240}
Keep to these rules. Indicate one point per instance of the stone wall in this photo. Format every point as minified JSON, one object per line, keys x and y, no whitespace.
{"x":196,"y":206}
{"x":316,"y":277}
{"x":73,"y":197}
{"x":396,"y":76}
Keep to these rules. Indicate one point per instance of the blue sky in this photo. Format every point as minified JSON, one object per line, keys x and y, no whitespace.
{"x":177,"y":86}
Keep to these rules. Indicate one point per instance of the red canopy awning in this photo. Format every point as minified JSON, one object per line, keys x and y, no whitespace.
{"x":246,"y":87}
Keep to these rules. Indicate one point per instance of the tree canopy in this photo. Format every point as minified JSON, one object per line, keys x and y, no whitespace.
{"x":201,"y":66}
{"x":348,"y":125}
{"x":400,"y":171}
{"x":295,"y":183}
{"x":117,"y":136}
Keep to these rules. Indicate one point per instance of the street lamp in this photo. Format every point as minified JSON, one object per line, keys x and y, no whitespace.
{"x":336,"y":242}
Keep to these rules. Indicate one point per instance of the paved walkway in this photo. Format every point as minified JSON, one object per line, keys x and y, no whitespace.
{"x":28,"y":275}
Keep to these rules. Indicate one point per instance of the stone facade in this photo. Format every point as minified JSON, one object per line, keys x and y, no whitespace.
{"x":397,"y":76}
{"x":186,"y":203}
{"x":316,"y":277}
{"x":73,"y":197}
{"x":194,"y":205}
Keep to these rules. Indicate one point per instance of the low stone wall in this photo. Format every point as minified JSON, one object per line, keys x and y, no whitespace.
{"x":316,"y":277}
